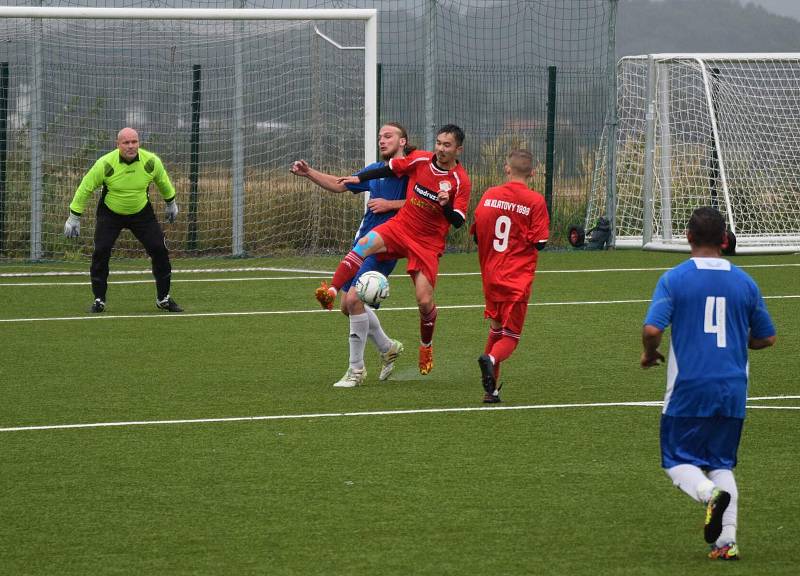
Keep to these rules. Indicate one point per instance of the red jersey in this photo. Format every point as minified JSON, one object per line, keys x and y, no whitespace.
{"x":509,"y":220}
{"x":422,"y":215}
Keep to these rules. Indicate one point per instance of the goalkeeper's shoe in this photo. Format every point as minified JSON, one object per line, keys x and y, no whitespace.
{"x":168,"y":304}
{"x":726,"y":552}
{"x":715,"y":508}
{"x":388,"y":359}
{"x":97,"y":306}
{"x":425,"y":359}
{"x":325,"y":295}
{"x":352,"y":378}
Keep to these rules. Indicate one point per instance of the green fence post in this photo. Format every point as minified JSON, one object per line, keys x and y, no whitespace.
{"x":551,"y":137}
{"x":194,"y":159}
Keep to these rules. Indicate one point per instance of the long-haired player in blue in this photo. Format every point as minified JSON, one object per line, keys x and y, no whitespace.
{"x":717,"y":313}
{"x":386,"y":197}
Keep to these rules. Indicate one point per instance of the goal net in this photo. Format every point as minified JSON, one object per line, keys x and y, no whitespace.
{"x":227,"y":98}
{"x":693,"y":130}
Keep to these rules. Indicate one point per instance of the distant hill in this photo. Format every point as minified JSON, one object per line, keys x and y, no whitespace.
{"x":645,"y":26}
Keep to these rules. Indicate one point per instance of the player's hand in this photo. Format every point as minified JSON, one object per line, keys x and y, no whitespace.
{"x":300,"y":168}
{"x":443,"y":197}
{"x":651,"y":359}
{"x":348,"y":180}
{"x":72,"y":227}
{"x":171,"y":211}
{"x":379,"y":205}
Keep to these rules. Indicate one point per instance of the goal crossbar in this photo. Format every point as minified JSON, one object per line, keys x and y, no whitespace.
{"x":720,"y":57}
{"x":190,"y":13}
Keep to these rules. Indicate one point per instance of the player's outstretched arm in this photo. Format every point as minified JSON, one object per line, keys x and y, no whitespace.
{"x":327,"y":181}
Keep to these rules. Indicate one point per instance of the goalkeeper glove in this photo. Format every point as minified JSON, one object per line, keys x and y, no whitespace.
{"x":171,"y":212}
{"x":72,"y":227}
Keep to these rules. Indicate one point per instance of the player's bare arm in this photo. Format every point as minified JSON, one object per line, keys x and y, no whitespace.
{"x":381,"y":205}
{"x":345,"y":180}
{"x":760,"y":343}
{"x":651,"y":340}
{"x":327,"y":181}
{"x":300,"y":168}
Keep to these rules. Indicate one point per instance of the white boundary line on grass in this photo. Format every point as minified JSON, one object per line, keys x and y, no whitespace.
{"x":321,"y":311}
{"x":316,"y":273}
{"x":174,"y":281}
{"x":187,"y":271}
{"x":647,"y":403}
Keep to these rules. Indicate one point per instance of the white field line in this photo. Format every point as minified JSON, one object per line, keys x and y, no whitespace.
{"x":174,"y":280}
{"x":162,"y":315}
{"x":187,"y":271}
{"x":773,"y":407}
{"x":327,"y":273}
{"x":647,"y":403}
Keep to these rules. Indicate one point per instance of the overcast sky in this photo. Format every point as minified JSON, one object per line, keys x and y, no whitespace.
{"x":780,"y":7}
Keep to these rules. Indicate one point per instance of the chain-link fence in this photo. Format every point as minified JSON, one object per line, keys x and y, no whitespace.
{"x":494,"y":67}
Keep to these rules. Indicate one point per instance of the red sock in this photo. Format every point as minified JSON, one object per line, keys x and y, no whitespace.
{"x":503,"y":348}
{"x":346,"y":270}
{"x":427,"y":322}
{"x":494,"y":336}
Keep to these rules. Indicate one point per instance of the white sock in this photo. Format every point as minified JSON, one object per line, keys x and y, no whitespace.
{"x":359,"y":326}
{"x":691,"y":480}
{"x":376,"y":333}
{"x":725,"y":481}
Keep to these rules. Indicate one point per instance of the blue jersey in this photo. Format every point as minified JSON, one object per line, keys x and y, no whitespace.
{"x":386,"y":188}
{"x":713,"y":307}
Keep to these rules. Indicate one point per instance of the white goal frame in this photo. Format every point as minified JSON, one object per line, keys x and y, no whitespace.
{"x":658,"y":150}
{"x":368,"y":15}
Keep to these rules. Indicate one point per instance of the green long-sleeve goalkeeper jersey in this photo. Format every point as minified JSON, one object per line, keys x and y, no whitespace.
{"x":126,"y":184}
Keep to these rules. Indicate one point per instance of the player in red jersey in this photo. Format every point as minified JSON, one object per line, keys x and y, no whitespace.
{"x":511,"y":226}
{"x":437,"y":197}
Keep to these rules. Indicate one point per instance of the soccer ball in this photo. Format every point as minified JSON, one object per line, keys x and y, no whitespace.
{"x":372,"y":288}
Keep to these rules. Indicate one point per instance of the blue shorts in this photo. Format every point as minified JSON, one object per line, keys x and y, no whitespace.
{"x":385,"y":267}
{"x":708,"y":442}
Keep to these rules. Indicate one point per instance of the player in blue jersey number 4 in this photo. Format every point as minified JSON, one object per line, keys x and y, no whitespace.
{"x":717,"y":313}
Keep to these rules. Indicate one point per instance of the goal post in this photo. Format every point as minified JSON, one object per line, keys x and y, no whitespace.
{"x":721,"y":130}
{"x":277,"y":85}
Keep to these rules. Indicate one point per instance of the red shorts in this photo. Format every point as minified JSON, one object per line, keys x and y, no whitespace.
{"x":510,"y":315}
{"x":399,"y":244}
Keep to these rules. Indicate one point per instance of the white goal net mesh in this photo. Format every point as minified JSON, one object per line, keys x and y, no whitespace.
{"x":176,"y":82}
{"x":724,"y":132}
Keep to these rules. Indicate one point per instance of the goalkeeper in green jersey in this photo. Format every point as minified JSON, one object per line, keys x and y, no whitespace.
{"x":125,"y":175}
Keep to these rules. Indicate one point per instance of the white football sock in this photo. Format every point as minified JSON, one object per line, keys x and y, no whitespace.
{"x":359,"y":327}
{"x":725,"y":481}
{"x":376,"y":333}
{"x":691,"y":480}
